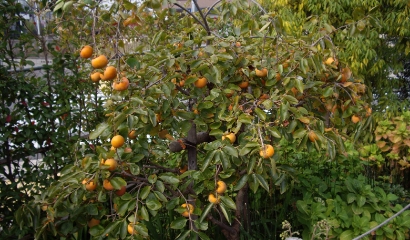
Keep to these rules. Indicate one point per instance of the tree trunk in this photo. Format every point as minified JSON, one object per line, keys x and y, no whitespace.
{"x":241,"y":215}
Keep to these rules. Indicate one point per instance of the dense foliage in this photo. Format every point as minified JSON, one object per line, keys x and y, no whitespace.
{"x":43,"y":115}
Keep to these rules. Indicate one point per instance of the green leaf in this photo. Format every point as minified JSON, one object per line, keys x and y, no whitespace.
{"x":262,"y":182}
{"x":203,"y":236}
{"x":169,"y":178}
{"x":160,"y":196}
{"x":58,"y":6}
{"x":185,"y":115}
{"x":133,"y":63}
{"x":153,"y":204}
{"x":244,"y":118}
{"x":300,"y":133}
{"x":241,"y":183}
{"x":118,"y":182}
{"x":227,"y":201}
{"x":274,"y":132}
{"x":361,"y":201}
{"x":92,"y":209}
{"x":230,"y":150}
{"x":225,"y":213}
{"x":226,"y":163}
{"x":110,"y":228}
{"x":123,"y":229}
{"x":179,"y":223}
{"x":299,"y":85}
{"x":144,"y":192}
{"x":99,"y":130}
{"x":134,"y":169}
{"x":208,"y":158}
{"x":290,"y":99}
{"x":391,"y":197}
{"x":144,"y":213}
{"x":351,"y":197}
{"x":244,"y":151}
{"x":261,"y":114}
{"x":206,"y":211}
{"x":141,"y":229}
{"x":183,"y":235}
{"x":67,"y":6}
{"x":251,"y":165}
{"x":347,"y":235}
{"x":303,"y":207}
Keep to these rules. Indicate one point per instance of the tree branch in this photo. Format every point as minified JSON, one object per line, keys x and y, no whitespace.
{"x":201,"y":137}
{"x":221,"y":224}
{"x":192,"y":15}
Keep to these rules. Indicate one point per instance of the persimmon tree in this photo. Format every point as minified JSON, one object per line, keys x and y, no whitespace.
{"x":195,"y":115}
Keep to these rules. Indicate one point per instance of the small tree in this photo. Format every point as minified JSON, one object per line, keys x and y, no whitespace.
{"x":195,"y":114}
{"x":44,"y":111}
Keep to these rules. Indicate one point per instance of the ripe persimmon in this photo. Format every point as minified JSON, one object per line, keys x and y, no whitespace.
{"x":86,"y":51}
{"x":189,"y":209}
{"x":201,"y":82}
{"x":89,"y":185}
{"x":312,"y":136}
{"x":109,"y":74}
{"x":99,"y":62}
{"x":93,"y":222}
{"x":230,"y":136}
{"x":95,"y":77}
{"x":221,"y":187}
{"x":355,"y":119}
{"x":261,"y":73}
{"x":121,"y":85}
{"x":112,"y":163}
{"x":267,"y":151}
{"x":213,"y":199}
{"x":243,"y":84}
{"x":132,"y":134}
{"x":107,"y":185}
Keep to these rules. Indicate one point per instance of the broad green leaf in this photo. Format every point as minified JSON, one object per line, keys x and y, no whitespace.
{"x":169,"y":178}
{"x":179,"y":223}
{"x":290,"y":99}
{"x":241,"y":183}
{"x":225,"y":160}
{"x":391,"y":197}
{"x":203,"y":236}
{"x":153,"y":204}
{"x":262,"y":182}
{"x":361,"y":200}
{"x":144,"y":213}
{"x":230,"y":150}
{"x":261,"y":114}
{"x":206,"y":211}
{"x":123,"y":229}
{"x":347,"y":235}
{"x":251,"y":165}
{"x":141,"y":229}
{"x":110,"y":228}
{"x":183,"y":235}
{"x":99,"y":130}
{"x":118,"y":182}
{"x":208,"y":158}
{"x":144,"y":192}
{"x":303,"y":207}
{"x":225,"y":213}
{"x":300,"y":133}
{"x":227,"y":201}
